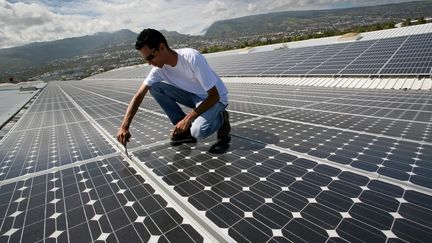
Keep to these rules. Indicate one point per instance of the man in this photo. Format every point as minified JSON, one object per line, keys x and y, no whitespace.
{"x":180,"y":77}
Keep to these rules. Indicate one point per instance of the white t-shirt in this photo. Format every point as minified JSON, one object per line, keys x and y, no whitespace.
{"x":192,"y":73}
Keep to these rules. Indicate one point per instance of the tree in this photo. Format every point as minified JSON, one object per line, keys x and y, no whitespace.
{"x":406,"y":22}
{"x":421,"y":20}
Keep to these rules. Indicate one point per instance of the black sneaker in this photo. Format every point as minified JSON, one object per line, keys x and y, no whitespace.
{"x":223,"y":134}
{"x":185,"y":137}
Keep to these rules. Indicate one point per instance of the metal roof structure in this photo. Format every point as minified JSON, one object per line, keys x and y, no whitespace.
{"x":14,"y":97}
{"x":315,"y":159}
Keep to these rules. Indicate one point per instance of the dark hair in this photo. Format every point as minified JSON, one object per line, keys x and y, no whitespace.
{"x":151,"y":38}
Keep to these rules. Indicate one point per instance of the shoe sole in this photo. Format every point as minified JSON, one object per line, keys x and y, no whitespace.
{"x":180,"y":142}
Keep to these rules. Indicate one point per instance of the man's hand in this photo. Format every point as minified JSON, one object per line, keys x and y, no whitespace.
{"x":182,"y":126}
{"x":123,"y":136}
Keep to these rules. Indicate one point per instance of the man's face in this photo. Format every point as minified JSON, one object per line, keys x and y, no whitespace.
{"x":151,"y":56}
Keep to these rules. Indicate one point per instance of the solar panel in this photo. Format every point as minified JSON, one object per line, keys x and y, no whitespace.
{"x":415,"y":56}
{"x":263,"y":195}
{"x":102,"y":200}
{"x":374,"y":58}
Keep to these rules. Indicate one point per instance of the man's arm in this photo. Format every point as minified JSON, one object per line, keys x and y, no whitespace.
{"x":211,"y":100}
{"x":123,"y":134}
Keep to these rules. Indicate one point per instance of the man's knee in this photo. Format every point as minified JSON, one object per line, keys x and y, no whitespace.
{"x":199,"y":132}
{"x":156,"y":88}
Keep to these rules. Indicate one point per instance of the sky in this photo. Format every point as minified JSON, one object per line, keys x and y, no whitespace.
{"x":26,"y":21}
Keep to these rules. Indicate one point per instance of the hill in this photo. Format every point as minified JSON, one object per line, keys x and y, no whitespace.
{"x":78,"y":55}
{"x":36,"y":54}
{"x":295,"y":22}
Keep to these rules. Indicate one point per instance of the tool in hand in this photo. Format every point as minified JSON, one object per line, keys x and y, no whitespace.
{"x":126,"y":151}
{"x":126,"y":139}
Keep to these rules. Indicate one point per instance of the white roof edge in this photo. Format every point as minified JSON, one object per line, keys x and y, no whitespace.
{"x":396,"y":32}
{"x":408,"y":83}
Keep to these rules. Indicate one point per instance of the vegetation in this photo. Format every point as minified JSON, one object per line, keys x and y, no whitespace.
{"x":306,"y":36}
{"x":409,"y":21}
{"x":298,"y":22}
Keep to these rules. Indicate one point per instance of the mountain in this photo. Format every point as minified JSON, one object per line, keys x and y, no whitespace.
{"x":40,"y":53}
{"x":36,"y":54}
{"x":79,"y":55}
{"x":294,"y":22}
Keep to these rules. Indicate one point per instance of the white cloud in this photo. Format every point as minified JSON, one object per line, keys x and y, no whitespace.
{"x":215,"y":7}
{"x":30,"y":20}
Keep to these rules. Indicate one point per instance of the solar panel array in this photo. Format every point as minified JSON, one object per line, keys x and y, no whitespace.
{"x":62,"y":180}
{"x":405,"y":55}
{"x":305,"y":164}
{"x":409,"y":55}
{"x":135,"y":72}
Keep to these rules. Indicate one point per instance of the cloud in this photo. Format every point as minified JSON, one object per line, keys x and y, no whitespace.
{"x":29,"y":22}
{"x":215,"y":7}
{"x":24,"y":21}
